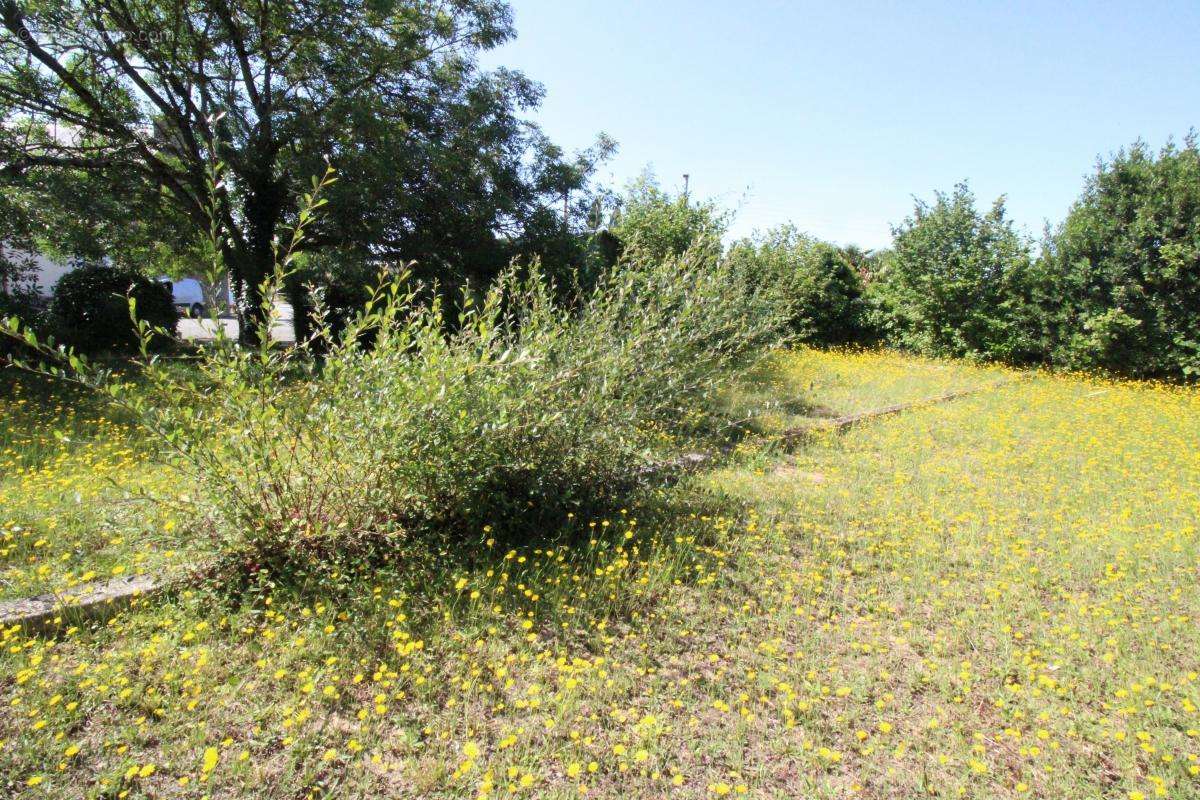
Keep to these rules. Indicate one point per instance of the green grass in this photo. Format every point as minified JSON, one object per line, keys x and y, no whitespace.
{"x":69,"y":474}
{"x":1007,"y":582}
{"x":792,"y":389}
{"x":993,"y":597}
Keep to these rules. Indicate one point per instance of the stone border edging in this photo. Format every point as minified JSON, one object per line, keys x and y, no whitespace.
{"x":842,"y":423}
{"x":690,"y":462}
{"x":88,"y":601}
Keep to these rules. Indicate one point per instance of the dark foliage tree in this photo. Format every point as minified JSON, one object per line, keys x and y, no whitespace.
{"x":134,"y":102}
{"x":960,"y":283}
{"x":91,"y":307}
{"x":817,"y":283}
{"x":1125,"y":266}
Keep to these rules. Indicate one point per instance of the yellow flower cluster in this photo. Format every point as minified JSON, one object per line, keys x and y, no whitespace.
{"x":68,"y":513}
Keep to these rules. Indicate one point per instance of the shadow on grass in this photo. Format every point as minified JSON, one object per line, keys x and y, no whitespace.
{"x":605,"y":565}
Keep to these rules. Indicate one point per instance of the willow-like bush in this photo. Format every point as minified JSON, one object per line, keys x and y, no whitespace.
{"x":405,"y":422}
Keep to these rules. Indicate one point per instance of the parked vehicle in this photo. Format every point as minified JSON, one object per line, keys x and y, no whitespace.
{"x":188,"y":294}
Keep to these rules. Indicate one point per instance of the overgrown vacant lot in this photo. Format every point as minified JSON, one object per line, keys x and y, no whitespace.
{"x":993,"y":597}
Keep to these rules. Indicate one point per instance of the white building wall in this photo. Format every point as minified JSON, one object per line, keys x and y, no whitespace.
{"x":45,"y":271}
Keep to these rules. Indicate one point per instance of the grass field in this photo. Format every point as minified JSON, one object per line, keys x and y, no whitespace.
{"x":993,"y":597}
{"x":793,"y":389}
{"x":69,"y":474}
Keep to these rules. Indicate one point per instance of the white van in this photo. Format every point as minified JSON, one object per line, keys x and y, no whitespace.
{"x":188,"y":294}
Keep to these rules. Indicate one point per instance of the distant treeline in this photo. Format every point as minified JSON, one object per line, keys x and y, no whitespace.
{"x":1116,"y":287}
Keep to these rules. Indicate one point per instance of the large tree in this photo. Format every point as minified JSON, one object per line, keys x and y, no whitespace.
{"x":139,"y":99}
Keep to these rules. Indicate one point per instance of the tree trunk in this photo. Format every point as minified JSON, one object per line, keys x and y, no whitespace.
{"x":297,"y":297}
{"x":263,"y":210}
{"x":246,"y":274}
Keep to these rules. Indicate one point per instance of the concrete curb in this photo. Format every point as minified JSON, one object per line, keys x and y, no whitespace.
{"x":843,"y":423}
{"x":102,"y":599}
{"x":88,"y":601}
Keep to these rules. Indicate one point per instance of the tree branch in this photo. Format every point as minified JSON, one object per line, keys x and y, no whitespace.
{"x":14,"y":21}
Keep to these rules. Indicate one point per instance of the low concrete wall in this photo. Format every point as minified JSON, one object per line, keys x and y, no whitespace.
{"x":88,"y":601}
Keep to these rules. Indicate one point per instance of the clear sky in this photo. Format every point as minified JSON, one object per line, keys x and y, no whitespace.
{"x":833,"y":115}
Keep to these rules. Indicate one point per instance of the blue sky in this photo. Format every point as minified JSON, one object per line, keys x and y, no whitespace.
{"x":834,"y":115}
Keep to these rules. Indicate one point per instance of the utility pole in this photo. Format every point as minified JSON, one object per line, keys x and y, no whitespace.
{"x":566,"y":209}
{"x":686,"y":176}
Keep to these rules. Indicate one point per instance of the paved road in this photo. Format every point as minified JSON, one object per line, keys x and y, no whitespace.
{"x":203,"y":330}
